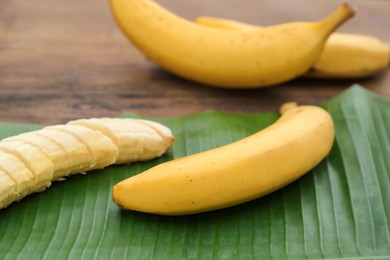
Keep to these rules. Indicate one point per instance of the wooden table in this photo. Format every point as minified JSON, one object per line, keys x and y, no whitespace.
{"x":61,"y":60}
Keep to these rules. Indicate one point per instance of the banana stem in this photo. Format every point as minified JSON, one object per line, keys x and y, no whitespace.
{"x":388,"y":46}
{"x":338,"y":17}
{"x":287,"y":106}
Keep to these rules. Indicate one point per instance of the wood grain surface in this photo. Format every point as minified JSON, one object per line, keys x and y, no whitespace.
{"x":62,"y":60}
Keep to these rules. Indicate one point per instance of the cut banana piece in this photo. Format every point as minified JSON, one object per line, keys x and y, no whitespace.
{"x":58,"y":155}
{"x":17,"y":171}
{"x":79,"y":157}
{"x":7,"y":189}
{"x":103,"y":151}
{"x":29,"y":162}
{"x":35,"y":159}
{"x":136,"y":140}
{"x":163,"y":131}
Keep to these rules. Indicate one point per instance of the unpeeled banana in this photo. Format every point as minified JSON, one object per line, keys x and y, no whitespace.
{"x":224,"y":58}
{"x":344,"y":55}
{"x":31,"y":161}
{"x":235,"y":173}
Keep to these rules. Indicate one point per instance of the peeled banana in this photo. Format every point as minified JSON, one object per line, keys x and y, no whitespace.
{"x":31,"y":161}
{"x":235,"y":173}
{"x":224,"y":58}
{"x":344,"y":55}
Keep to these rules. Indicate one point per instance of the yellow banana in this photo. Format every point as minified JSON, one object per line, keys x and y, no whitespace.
{"x":222,"y":58}
{"x":344,"y":55}
{"x":29,"y":162}
{"x":228,"y":24}
{"x":234,"y":173}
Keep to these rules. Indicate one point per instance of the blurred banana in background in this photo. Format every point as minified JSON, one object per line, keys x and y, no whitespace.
{"x":344,"y":55}
{"x":225,"y":58}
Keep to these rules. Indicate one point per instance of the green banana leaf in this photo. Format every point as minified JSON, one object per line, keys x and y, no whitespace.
{"x":341,"y":209}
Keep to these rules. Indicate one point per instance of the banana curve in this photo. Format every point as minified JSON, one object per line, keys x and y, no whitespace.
{"x":263,"y":162}
{"x":220,"y":58}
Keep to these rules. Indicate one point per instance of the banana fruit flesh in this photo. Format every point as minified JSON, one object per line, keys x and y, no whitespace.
{"x":235,"y":173}
{"x":225,"y":58}
{"x":31,"y":161}
{"x":344,"y":55}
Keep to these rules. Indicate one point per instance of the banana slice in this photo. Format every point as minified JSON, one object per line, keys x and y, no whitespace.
{"x":162,"y":130}
{"x":7,"y":190}
{"x":102,"y":149}
{"x":136,"y":140}
{"x":80,"y":160}
{"x":152,"y":142}
{"x":19,"y":173}
{"x":58,"y":155}
{"x":35,"y":159}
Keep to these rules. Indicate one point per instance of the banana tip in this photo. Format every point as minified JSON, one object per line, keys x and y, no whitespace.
{"x":287,"y":106}
{"x":338,"y":17}
{"x":350,"y":9}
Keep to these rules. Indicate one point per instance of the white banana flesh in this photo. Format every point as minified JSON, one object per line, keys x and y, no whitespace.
{"x":77,"y":152}
{"x":34,"y":159}
{"x":21,"y":176}
{"x":99,"y":158}
{"x":30,"y":162}
{"x":344,"y":55}
{"x":138,"y":140}
{"x":51,"y":148}
{"x":225,"y":58}
{"x":8,"y":190}
{"x":235,"y":173}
